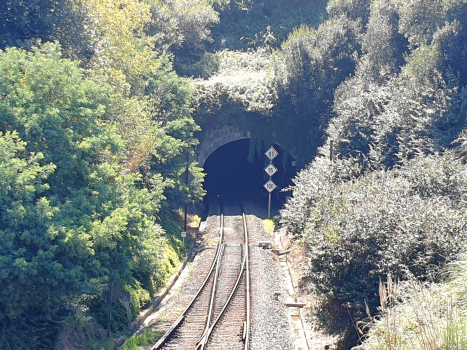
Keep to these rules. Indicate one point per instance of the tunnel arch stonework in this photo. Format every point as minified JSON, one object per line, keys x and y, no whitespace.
{"x":212,"y":139}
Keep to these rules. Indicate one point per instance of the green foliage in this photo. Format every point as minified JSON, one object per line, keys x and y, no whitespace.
{"x":382,"y":45}
{"x":248,"y":23}
{"x":405,"y":222}
{"x":72,"y":216}
{"x":146,"y":337}
{"x":48,"y":254}
{"x":404,"y":103}
{"x":419,"y":20}
{"x":182,"y":24}
{"x":140,"y":298}
{"x":313,"y":62}
{"x":309,"y":66}
{"x":419,"y":110}
{"x":100,"y":310}
{"x":241,"y":78}
{"x":357,"y":10}
{"x":121,"y":52}
{"x":36,"y":331}
{"x":23,"y":22}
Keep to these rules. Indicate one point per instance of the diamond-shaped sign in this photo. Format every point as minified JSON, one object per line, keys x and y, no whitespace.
{"x":271,"y":153}
{"x":271,"y":169}
{"x":270,"y":186}
{"x":188,"y":157}
{"x":185,"y":179}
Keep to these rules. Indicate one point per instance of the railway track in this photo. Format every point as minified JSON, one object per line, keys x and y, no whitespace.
{"x":218,"y":317}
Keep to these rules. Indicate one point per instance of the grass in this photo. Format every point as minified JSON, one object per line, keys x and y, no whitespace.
{"x":268,"y":225}
{"x":146,"y":337}
{"x":422,"y":316}
{"x":195,"y":220}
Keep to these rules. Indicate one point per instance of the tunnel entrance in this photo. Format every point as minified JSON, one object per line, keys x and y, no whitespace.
{"x":234,"y":185}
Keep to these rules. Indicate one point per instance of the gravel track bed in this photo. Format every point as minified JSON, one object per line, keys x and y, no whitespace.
{"x":196,"y":271}
{"x":269,"y":325}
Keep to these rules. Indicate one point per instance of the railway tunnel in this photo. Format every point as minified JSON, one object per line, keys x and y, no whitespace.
{"x":235,"y":185}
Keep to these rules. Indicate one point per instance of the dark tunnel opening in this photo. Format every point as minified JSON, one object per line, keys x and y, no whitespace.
{"x":234,"y":185}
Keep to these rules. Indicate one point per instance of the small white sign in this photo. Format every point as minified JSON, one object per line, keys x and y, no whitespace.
{"x":271,"y":169}
{"x":183,"y":234}
{"x":271,"y":153}
{"x":270,"y":186}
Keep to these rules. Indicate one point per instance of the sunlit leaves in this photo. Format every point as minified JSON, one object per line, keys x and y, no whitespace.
{"x":121,"y":49}
{"x":420,"y":19}
{"x":71,"y":215}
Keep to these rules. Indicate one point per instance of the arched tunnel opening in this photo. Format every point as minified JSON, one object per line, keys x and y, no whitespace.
{"x":234,"y":185}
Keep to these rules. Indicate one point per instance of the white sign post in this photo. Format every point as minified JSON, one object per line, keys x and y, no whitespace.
{"x":271,"y":169}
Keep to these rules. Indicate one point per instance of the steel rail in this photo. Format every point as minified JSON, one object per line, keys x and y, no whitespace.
{"x":213,"y":291}
{"x":179,"y":320}
{"x":205,"y":338}
{"x":244,"y":269}
{"x":247,"y":254}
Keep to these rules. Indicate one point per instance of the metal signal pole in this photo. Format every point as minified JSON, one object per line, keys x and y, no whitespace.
{"x":270,"y":186}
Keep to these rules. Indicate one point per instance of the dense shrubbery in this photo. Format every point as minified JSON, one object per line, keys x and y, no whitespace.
{"x":243,"y":24}
{"x":387,"y":203}
{"x":86,"y":167}
{"x":241,"y":78}
{"x":405,"y":222}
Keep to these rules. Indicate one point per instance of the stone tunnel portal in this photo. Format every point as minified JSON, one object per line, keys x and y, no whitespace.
{"x":235,"y":185}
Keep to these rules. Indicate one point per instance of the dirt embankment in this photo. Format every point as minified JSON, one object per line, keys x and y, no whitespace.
{"x":318,"y":337}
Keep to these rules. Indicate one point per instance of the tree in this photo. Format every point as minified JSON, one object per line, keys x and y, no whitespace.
{"x":71,"y":217}
{"x":182,"y":24}
{"x":23,"y":22}
{"x":121,"y":50}
{"x":383,"y":46}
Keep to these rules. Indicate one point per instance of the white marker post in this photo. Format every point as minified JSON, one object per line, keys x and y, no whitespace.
{"x":271,"y":169}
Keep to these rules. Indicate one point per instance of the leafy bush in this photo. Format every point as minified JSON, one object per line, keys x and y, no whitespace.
{"x":407,"y":222}
{"x":100,"y":310}
{"x":243,"y":23}
{"x":140,"y":298}
{"x":36,"y":331}
{"x":242,"y":78}
{"x":75,"y":210}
